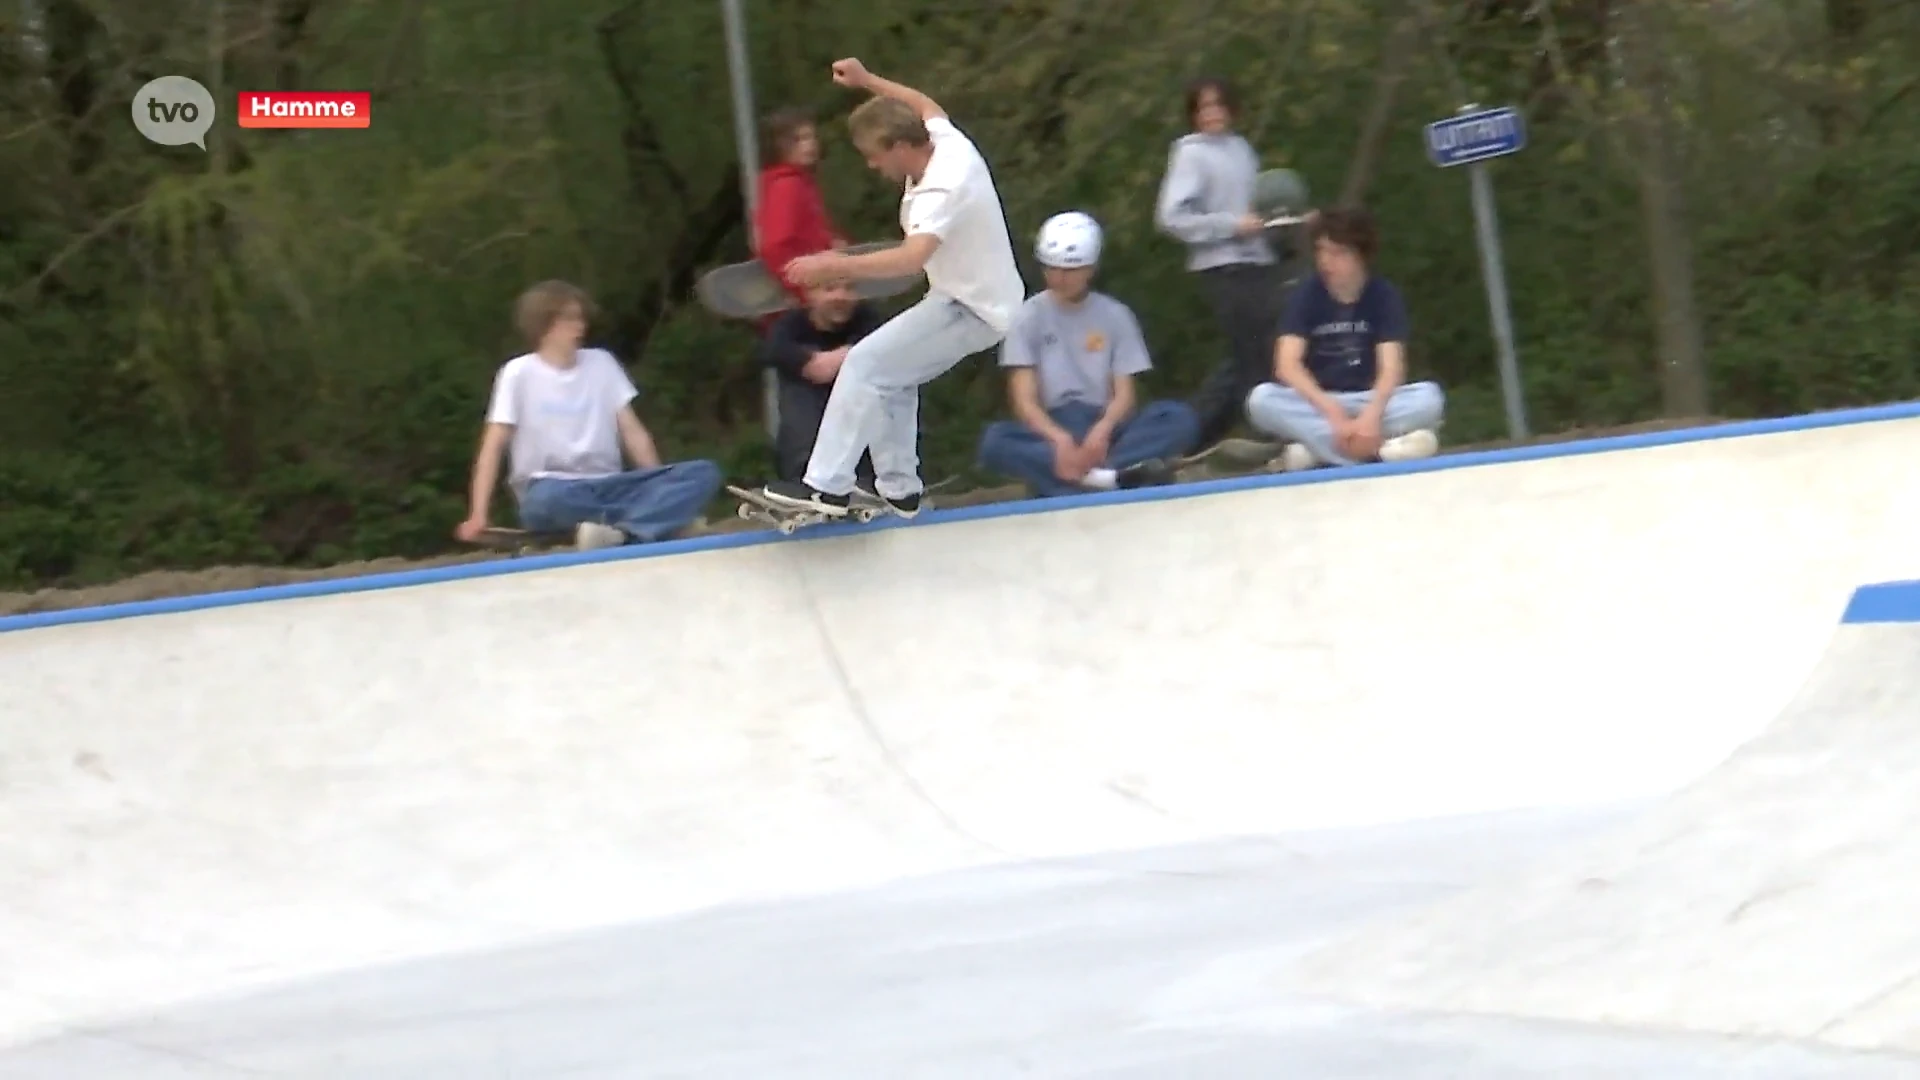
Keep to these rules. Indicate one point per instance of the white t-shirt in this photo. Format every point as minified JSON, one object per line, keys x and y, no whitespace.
{"x":956,"y":201}
{"x":564,"y":419}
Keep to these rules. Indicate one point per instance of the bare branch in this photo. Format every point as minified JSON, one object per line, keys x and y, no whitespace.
{"x":99,"y":230}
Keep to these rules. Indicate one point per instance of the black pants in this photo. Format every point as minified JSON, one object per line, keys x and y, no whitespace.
{"x":802,"y":405}
{"x":1247,"y":301}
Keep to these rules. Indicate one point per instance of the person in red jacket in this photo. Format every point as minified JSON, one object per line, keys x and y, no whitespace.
{"x":791,"y":219}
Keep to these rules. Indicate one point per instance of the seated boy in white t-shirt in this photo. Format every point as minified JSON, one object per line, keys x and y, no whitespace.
{"x":1071,"y":360}
{"x":563,"y":414}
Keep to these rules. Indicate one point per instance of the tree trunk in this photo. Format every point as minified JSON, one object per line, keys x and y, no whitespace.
{"x":1395,"y":57}
{"x":1649,"y":115}
{"x":1834,"y":109}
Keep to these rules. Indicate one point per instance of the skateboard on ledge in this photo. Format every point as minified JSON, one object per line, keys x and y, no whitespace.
{"x":520,"y":541}
{"x":1235,"y":453}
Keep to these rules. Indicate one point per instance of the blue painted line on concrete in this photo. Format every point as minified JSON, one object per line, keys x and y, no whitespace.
{"x":497,"y":567}
{"x":1887,"y":602}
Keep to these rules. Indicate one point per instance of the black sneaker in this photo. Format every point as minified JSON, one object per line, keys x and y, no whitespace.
{"x":1152,"y":472}
{"x":798,"y":495}
{"x":866,"y":494}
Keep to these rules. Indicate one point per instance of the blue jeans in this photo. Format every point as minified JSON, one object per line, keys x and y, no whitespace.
{"x":1158,"y":429}
{"x":646,"y":504}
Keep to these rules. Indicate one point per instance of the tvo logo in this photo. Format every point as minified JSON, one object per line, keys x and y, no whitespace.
{"x":173,"y":110}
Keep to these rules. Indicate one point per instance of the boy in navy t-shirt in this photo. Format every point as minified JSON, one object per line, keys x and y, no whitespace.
{"x":1339,"y":395}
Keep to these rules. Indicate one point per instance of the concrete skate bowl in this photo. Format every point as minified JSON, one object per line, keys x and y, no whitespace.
{"x":1778,"y":897}
{"x":1260,"y":688}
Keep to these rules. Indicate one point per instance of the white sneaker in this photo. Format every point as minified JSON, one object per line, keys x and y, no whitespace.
{"x":1411,"y":446}
{"x":1297,"y":458}
{"x":591,"y":535}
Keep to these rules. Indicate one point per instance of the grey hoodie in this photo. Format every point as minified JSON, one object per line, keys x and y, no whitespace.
{"x":1208,"y":188}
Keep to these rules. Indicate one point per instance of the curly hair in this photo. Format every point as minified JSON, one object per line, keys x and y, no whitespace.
{"x":1351,"y":227}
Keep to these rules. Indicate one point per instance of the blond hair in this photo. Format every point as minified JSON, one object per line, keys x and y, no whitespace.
{"x":884,"y":123}
{"x":542,"y":305}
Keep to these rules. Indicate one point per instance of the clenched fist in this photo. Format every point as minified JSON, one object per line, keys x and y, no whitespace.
{"x":850,"y":73}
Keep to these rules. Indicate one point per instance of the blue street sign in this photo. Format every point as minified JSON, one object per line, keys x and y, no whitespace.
{"x":1476,"y":136}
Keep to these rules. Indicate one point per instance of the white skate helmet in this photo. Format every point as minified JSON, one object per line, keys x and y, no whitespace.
{"x":1069,"y":241}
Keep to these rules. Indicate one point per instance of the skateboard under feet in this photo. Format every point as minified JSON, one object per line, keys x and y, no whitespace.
{"x":755,"y":507}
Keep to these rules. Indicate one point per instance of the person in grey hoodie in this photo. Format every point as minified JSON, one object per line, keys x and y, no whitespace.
{"x":1206,"y":202}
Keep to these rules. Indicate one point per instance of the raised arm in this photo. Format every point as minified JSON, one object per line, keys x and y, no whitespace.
{"x":853,"y":74}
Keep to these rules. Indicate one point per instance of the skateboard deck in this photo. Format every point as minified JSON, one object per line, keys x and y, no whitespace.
{"x":748,"y":290}
{"x":1280,"y":196}
{"x":755,"y":507}
{"x":520,"y":541}
{"x":1235,"y":453}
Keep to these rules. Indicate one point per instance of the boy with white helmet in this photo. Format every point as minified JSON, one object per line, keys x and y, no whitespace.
{"x":1072,"y":355}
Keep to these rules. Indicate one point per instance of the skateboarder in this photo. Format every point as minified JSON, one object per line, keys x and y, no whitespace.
{"x":1071,"y":361}
{"x":956,"y":232}
{"x":805,"y":349}
{"x":564,"y":414}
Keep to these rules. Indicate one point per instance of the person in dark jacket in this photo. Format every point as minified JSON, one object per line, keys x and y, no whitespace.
{"x":805,"y":349}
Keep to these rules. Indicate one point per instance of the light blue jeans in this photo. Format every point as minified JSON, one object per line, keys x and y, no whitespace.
{"x":1280,"y":411}
{"x":875,"y":405}
{"x":646,"y":504}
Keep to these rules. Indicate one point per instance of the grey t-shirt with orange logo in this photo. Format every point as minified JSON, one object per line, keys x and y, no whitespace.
{"x":1077,"y":349}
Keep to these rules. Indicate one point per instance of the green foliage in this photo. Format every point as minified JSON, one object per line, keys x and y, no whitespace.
{"x":280,"y":352}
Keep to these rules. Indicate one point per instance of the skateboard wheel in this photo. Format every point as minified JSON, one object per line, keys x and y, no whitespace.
{"x":787,"y":527}
{"x":745,"y":512}
{"x":863,"y":515}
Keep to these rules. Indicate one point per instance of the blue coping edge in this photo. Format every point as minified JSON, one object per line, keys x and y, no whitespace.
{"x":528,"y":564}
{"x":1887,"y":602}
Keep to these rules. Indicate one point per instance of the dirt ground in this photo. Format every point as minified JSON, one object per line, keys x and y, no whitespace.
{"x":172,"y":583}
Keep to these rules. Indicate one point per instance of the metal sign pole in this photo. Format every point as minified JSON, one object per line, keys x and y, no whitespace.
{"x":1486,"y":225}
{"x":1472,"y":138}
{"x":740,"y":76}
